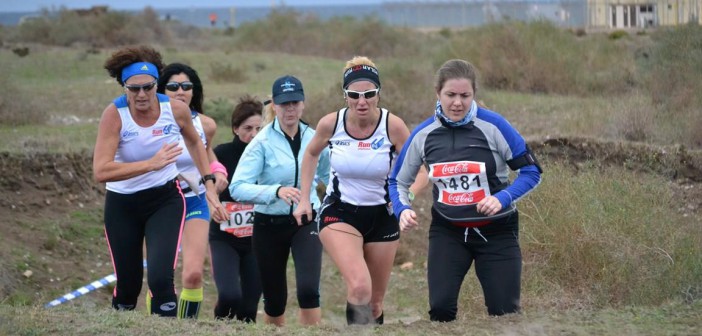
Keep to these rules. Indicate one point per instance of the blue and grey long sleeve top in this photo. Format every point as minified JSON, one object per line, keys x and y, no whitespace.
{"x":465,"y":164}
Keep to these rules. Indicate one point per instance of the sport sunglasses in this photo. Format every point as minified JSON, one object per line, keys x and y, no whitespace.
{"x":366,"y":94}
{"x":173,"y":86}
{"x":135,"y":88}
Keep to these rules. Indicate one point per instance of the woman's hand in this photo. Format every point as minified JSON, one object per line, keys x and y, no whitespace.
{"x":221,"y":183}
{"x":489,"y":206}
{"x":289,"y":194}
{"x":304,"y":208}
{"x":166,"y":155}
{"x":217,"y":211}
{"x":408,"y":220}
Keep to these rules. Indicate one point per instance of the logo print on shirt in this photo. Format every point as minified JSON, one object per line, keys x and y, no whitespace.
{"x":364,"y":145}
{"x":165,"y":131}
{"x":377,"y":143}
{"x":342,"y":143}
{"x":129,"y":134}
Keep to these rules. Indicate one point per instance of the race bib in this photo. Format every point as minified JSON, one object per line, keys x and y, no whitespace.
{"x":240,"y":221}
{"x":460,"y":182}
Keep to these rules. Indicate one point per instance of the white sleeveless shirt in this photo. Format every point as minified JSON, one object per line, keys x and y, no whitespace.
{"x":185,"y":163}
{"x":138,"y":143}
{"x":360,"y":167}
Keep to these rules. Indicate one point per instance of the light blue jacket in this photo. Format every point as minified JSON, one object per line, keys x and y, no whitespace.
{"x":268,"y":163}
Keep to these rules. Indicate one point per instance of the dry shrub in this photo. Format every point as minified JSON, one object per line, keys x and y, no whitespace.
{"x":589,"y":237}
{"x":538,"y":57}
{"x":617,"y":34}
{"x":339,"y":37}
{"x":227,"y":73}
{"x":633,"y":119}
{"x":66,"y":28}
{"x":18,"y":107}
{"x":408,"y":90}
{"x":672,"y":68}
{"x":319,"y":105}
{"x":693,"y":133}
{"x":220,"y":109}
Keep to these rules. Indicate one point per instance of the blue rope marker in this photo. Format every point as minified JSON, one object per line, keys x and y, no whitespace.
{"x":84,"y":290}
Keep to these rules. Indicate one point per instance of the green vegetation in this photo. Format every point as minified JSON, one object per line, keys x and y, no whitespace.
{"x":640,"y":88}
{"x":609,"y":247}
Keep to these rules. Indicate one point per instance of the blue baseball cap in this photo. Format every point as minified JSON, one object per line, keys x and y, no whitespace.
{"x":287,"y":89}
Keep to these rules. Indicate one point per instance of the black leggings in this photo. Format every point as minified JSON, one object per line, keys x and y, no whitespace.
{"x":272,"y":243}
{"x":498,"y":266}
{"x":155,"y":214}
{"x":236,"y":276}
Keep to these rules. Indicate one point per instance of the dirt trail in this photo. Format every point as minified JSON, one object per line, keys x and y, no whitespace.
{"x":674,"y":162}
{"x":36,"y":181}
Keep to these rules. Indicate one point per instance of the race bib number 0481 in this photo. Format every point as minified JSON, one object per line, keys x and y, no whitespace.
{"x":460,"y":182}
{"x":240,"y":221}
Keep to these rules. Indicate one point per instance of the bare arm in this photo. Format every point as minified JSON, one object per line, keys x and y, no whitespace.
{"x":323,"y":133}
{"x":400,"y":133}
{"x":210,"y":127}
{"x":197,"y":151}
{"x":105,"y":169}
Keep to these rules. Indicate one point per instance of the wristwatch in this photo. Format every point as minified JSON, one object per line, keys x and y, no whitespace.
{"x":208,"y":177}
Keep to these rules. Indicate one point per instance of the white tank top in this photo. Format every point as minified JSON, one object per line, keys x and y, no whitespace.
{"x":185,"y":163}
{"x":138,"y":143}
{"x":360,"y":167}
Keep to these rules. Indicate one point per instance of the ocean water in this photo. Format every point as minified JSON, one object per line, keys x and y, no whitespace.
{"x":449,"y":14}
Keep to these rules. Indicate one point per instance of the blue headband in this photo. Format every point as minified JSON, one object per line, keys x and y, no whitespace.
{"x":139,"y":68}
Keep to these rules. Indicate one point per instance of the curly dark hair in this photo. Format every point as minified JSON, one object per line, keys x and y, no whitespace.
{"x":178,"y":68}
{"x":247,"y":107}
{"x":130,"y":55}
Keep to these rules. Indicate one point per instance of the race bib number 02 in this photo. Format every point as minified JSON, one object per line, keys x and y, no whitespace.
{"x":240,"y":221}
{"x":460,"y":182}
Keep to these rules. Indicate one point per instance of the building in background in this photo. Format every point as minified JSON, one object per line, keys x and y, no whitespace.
{"x":639,"y":14}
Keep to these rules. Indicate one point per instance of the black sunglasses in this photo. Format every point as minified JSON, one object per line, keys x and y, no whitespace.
{"x":173,"y":86}
{"x":138,"y":87}
{"x":366,"y":94}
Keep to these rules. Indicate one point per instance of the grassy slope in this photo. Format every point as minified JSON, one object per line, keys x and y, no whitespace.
{"x":565,"y":287}
{"x":572,"y":284}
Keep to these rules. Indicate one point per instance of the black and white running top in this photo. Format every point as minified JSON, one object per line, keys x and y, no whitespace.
{"x":360,"y":167}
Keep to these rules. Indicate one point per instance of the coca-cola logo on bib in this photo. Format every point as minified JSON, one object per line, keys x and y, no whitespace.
{"x":236,"y":207}
{"x":460,"y":198}
{"x":456,"y":168}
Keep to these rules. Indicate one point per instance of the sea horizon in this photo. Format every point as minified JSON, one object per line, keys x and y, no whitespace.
{"x":568,"y":13}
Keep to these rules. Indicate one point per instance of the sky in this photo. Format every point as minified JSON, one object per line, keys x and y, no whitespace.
{"x":35,"y":5}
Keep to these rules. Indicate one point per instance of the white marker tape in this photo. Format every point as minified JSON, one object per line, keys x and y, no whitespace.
{"x":84,"y":290}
